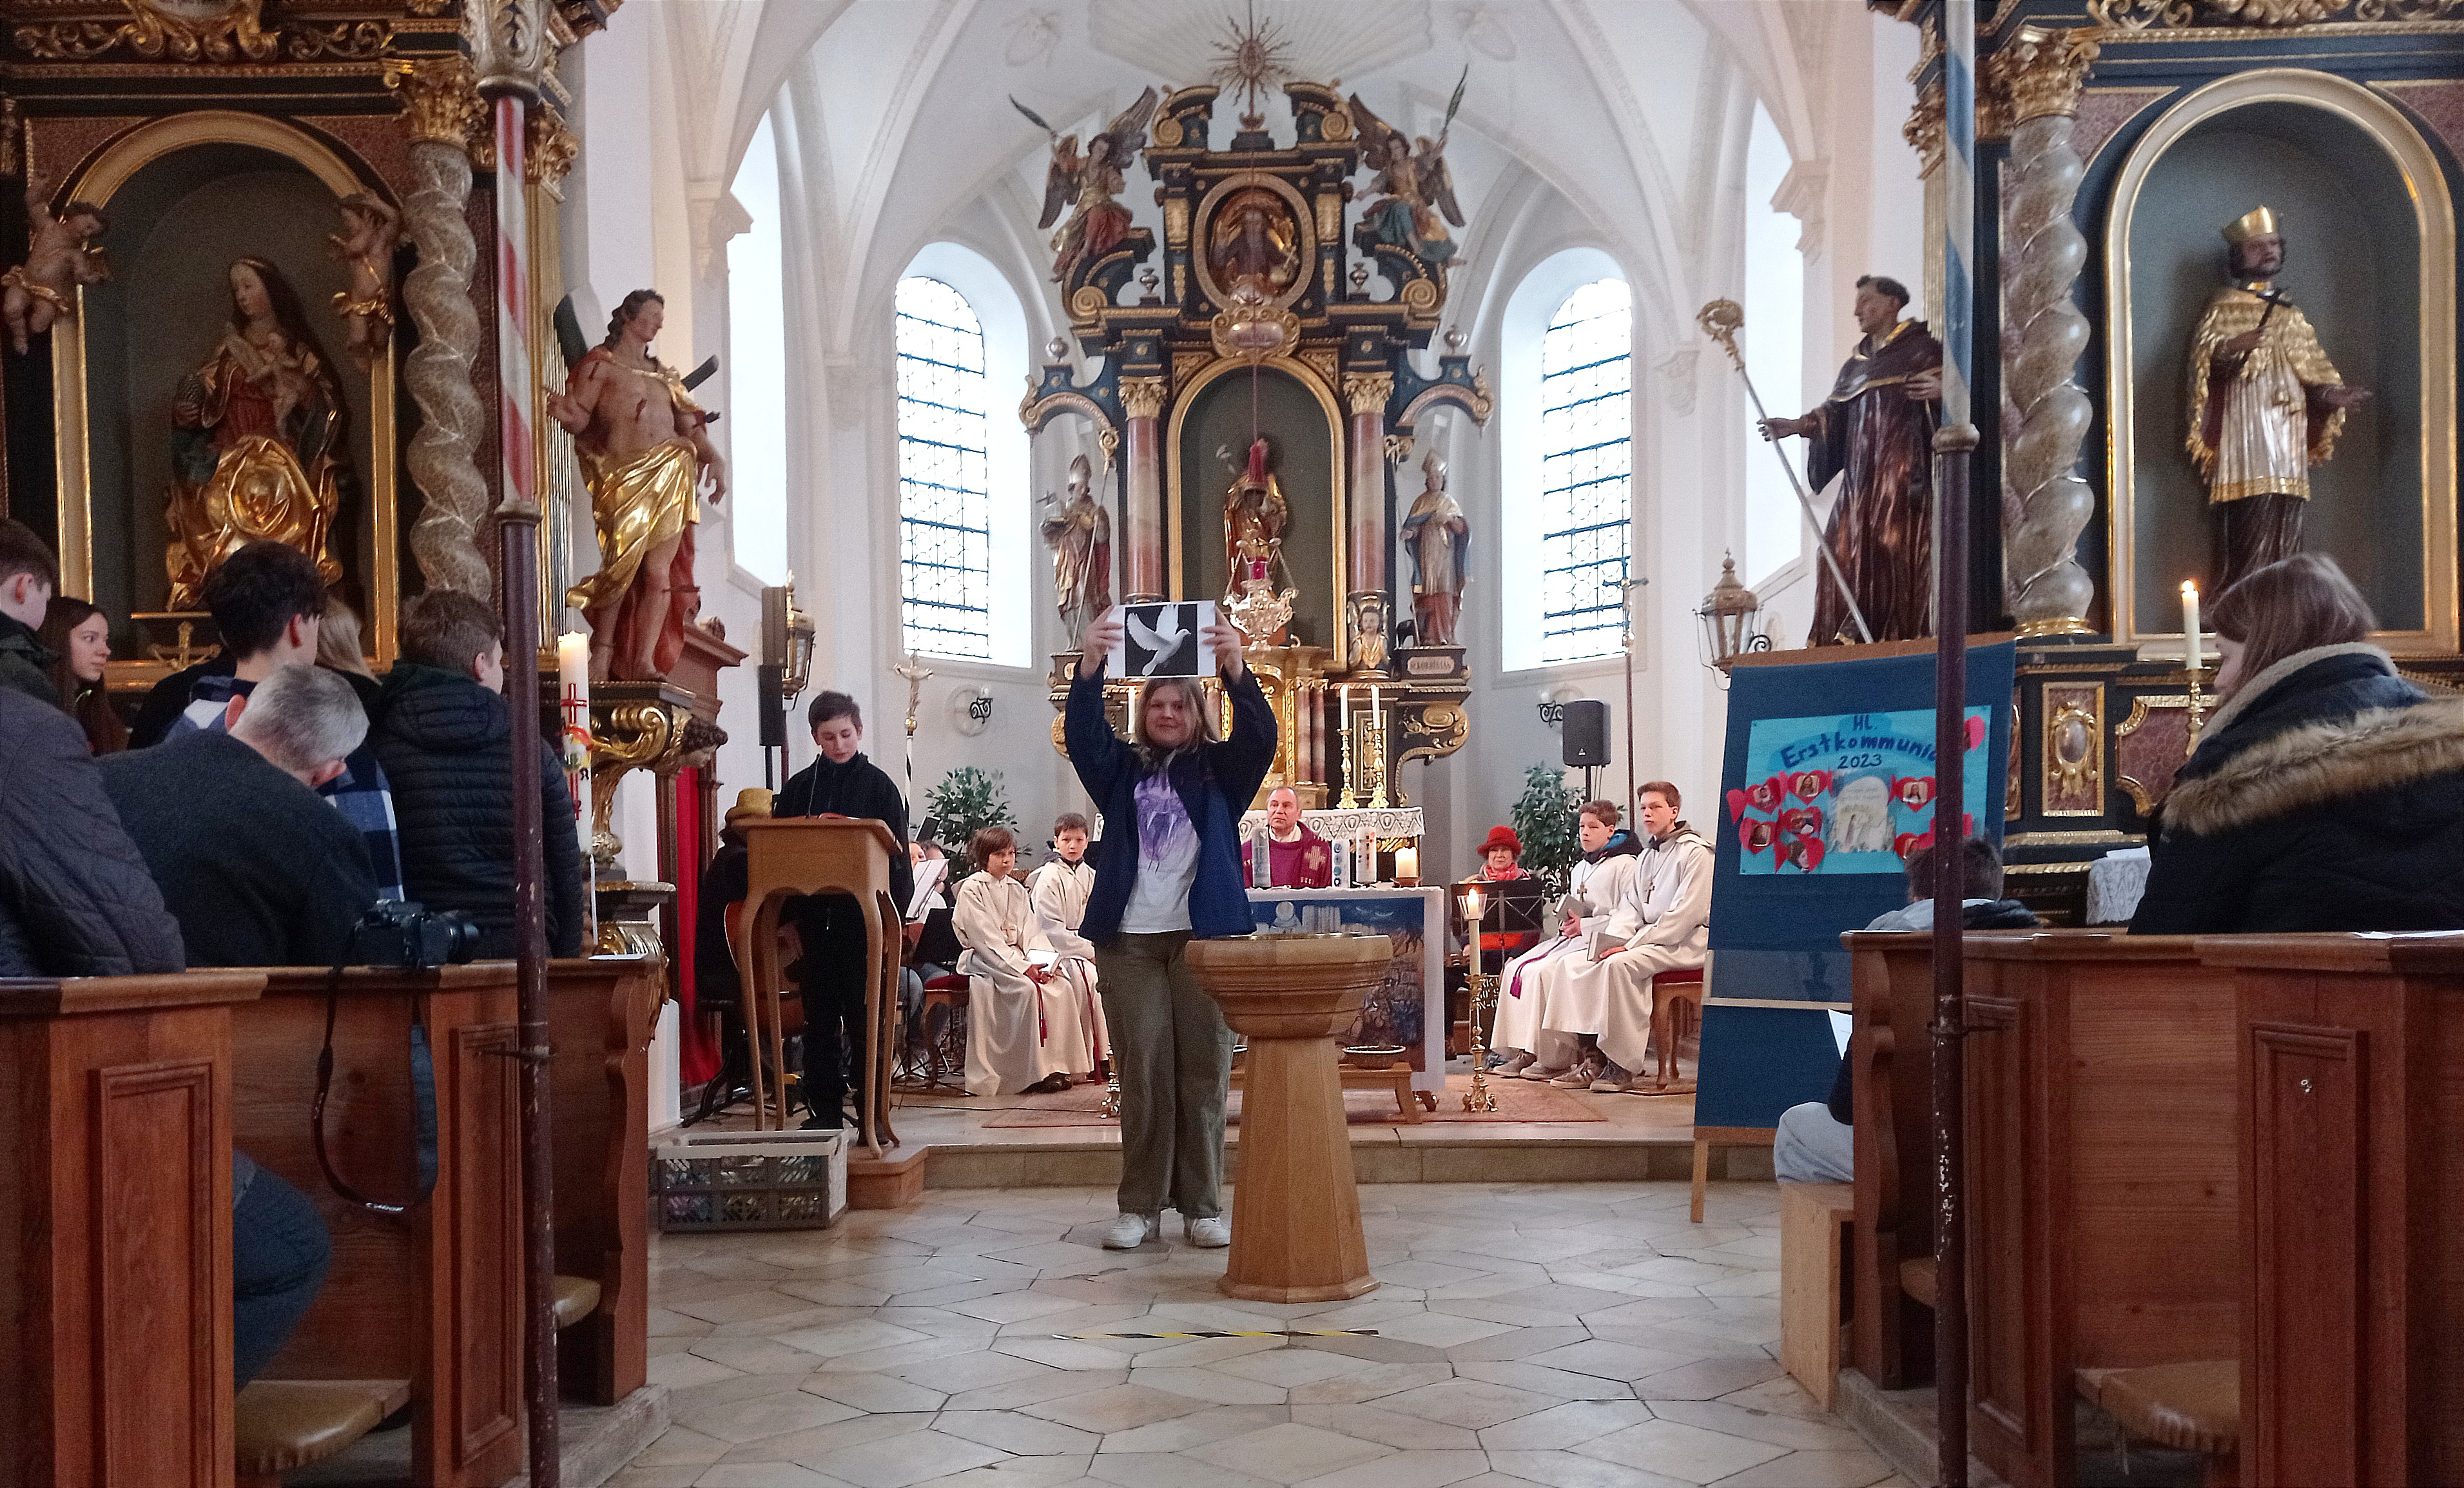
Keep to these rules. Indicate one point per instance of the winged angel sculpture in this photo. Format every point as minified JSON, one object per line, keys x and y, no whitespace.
{"x":1418,"y":189}
{"x":1093,"y":181}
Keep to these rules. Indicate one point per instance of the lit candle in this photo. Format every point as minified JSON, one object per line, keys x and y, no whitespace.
{"x":1407,"y":865}
{"x":1471,"y":909}
{"x":2191,"y":624}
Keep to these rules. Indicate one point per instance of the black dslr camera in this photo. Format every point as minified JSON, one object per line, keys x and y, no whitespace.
{"x":410,"y":936}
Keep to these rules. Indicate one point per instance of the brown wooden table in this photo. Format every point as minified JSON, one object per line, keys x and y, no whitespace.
{"x":115,"y":1229}
{"x":1891,"y":982}
{"x":2102,"y":1195}
{"x":602,"y":1013}
{"x":2351,"y":1091}
{"x":433,"y":1296}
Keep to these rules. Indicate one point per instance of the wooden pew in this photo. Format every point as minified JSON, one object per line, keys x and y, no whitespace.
{"x":602,"y":1013}
{"x":2351,"y":1088}
{"x":2102,"y":1201}
{"x":433,"y":1296}
{"x":1891,"y":980}
{"x":115,"y":1229}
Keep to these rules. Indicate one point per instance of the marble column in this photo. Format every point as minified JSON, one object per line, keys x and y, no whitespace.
{"x":1369,"y":604}
{"x":2045,"y":504}
{"x":1142,"y":565}
{"x":441,"y":107}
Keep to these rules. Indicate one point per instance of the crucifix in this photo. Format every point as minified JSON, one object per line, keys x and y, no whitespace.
{"x":915,"y":671}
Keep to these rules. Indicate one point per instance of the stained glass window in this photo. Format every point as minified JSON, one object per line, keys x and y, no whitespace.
{"x":944,"y":500}
{"x":1587,"y":460}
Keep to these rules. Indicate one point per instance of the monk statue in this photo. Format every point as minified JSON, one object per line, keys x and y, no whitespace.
{"x":1876,"y":431}
{"x":645,"y":450}
{"x":1438,"y":539}
{"x":1080,"y":534}
{"x":2265,"y":405}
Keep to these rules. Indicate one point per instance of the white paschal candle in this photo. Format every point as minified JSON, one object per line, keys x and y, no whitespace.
{"x":1471,"y":911}
{"x":2191,"y":625}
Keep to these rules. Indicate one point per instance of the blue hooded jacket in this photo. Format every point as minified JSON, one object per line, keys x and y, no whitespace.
{"x":1216,"y":782}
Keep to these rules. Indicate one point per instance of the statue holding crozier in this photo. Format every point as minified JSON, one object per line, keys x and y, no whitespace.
{"x":1876,"y":433}
{"x":2265,"y":405}
{"x":645,"y":450}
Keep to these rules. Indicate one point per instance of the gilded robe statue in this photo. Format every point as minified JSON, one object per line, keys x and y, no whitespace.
{"x":1438,"y":539}
{"x":2265,"y":405}
{"x":256,"y":439}
{"x":1080,"y":535}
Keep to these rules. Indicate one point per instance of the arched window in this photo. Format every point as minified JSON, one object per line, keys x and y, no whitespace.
{"x":1775,"y":350}
{"x":756,"y":381}
{"x":944,"y":483}
{"x":1585,"y":464}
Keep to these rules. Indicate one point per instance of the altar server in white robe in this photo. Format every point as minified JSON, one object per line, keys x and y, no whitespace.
{"x":1024,"y":1031}
{"x":1058,"y":890}
{"x":1663,"y":923}
{"x":1599,"y":876}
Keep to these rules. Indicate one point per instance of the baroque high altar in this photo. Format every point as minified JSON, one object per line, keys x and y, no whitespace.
{"x":1257,"y":395}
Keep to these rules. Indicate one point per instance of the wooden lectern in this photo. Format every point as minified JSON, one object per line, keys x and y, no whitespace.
{"x":803,"y":856}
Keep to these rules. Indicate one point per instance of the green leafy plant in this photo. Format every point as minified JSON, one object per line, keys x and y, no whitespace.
{"x":967,"y":800}
{"x":1544,"y":818}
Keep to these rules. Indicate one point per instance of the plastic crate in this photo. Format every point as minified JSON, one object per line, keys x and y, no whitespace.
{"x":750,"y":1180}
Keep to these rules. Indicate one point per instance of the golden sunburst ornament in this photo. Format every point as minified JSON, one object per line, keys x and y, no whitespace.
{"x":1251,"y":58}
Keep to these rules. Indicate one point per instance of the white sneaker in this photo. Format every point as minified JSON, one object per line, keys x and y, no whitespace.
{"x":1208,"y":1232}
{"x":1129,"y":1232}
{"x":1536,"y":1070}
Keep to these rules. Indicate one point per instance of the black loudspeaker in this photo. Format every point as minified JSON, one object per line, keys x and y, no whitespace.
{"x":770,"y":682}
{"x":1585,"y":724}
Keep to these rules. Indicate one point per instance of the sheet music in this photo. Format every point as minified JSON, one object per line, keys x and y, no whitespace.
{"x":928,"y":877}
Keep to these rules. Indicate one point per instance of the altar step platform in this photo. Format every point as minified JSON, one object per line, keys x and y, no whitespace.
{"x":1539,"y":1135}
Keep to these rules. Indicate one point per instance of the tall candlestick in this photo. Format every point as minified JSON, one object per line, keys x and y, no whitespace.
{"x":2191,"y":625}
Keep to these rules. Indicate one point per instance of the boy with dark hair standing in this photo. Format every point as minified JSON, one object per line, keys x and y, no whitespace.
{"x":268,"y":602}
{"x":444,"y":733}
{"x":839,"y":782}
{"x":28,"y":576}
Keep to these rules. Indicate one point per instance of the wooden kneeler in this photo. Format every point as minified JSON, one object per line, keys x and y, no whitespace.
{"x":286,"y":1425}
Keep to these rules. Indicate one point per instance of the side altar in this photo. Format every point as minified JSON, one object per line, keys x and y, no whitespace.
{"x":1256,"y":391}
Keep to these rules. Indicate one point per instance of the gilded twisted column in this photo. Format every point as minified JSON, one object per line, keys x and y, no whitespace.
{"x":441,"y":106}
{"x":2045,"y":504}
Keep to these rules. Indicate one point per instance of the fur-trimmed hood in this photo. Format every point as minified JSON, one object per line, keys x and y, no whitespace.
{"x":2320,"y":726}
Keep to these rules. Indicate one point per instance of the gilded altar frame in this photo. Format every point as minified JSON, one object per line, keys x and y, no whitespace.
{"x":112,"y":168}
{"x":2434,"y":219}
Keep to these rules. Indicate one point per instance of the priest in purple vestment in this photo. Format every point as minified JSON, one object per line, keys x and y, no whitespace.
{"x":1876,"y":428}
{"x":1296,"y":857}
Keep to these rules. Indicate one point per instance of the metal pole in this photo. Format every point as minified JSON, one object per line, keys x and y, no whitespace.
{"x":517,"y":519}
{"x":1955,"y":444}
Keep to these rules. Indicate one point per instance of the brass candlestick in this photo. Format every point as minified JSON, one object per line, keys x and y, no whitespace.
{"x":1373,"y":768}
{"x":1482,"y":988}
{"x":1347,"y":801}
{"x":2199,"y":712}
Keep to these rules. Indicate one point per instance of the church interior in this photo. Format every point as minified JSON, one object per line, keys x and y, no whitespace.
{"x":930,"y":628}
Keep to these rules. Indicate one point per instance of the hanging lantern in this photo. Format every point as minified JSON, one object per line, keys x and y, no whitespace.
{"x":1731,"y":619}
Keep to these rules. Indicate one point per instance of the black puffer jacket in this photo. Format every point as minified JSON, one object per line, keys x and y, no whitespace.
{"x":447,"y":747}
{"x":75,"y":899}
{"x":2328,"y":794}
{"x":25,"y":666}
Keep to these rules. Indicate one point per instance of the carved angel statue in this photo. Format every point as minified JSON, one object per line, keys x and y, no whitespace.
{"x":1080,"y":534}
{"x":370,"y":229}
{"x":1093,"y":182}
{"x":1418,"y":191}
{"x":61,"y":256}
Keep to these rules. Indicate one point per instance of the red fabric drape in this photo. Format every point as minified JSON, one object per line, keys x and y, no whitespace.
{"x":699,"y":1056}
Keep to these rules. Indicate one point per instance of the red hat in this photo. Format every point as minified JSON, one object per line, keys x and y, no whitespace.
{"x":1502,"y":837}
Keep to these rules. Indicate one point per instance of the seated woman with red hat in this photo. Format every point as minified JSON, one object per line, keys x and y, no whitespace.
{"x":1501,"y":858}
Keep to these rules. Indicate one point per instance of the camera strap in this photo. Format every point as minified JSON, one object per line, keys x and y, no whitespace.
{"x":423,"y":1106}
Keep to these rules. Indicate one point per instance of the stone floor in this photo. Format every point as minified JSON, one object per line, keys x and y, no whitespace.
{"x":1573,"y":1335}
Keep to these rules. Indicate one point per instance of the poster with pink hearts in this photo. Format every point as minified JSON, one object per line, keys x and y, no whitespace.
{"x":1849,"y":793}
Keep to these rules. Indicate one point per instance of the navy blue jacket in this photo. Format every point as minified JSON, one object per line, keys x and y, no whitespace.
{"x":1216,"y":782}
{"x":2326,"y":794}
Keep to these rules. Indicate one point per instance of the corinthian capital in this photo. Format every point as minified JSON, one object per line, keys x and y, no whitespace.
{"x":550,"y":149}
{"x":440,"y":98}
{"x":1924,"y":129}
{"x":1369,"y":393}
{"x":2039,"y":73}
{"x":1142,"y":397}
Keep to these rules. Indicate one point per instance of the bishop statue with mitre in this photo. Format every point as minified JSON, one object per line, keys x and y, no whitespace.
{"x":2265,"y":405}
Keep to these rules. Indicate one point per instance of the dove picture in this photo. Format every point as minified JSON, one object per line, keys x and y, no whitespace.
{"x":1161,"y":639}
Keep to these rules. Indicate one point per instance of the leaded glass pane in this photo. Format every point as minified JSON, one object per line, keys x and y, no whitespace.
{"x":1586,"y":461}
{"x":944,"y":500}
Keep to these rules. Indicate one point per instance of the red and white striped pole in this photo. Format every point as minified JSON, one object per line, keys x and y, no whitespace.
{"x":517,"y":519}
